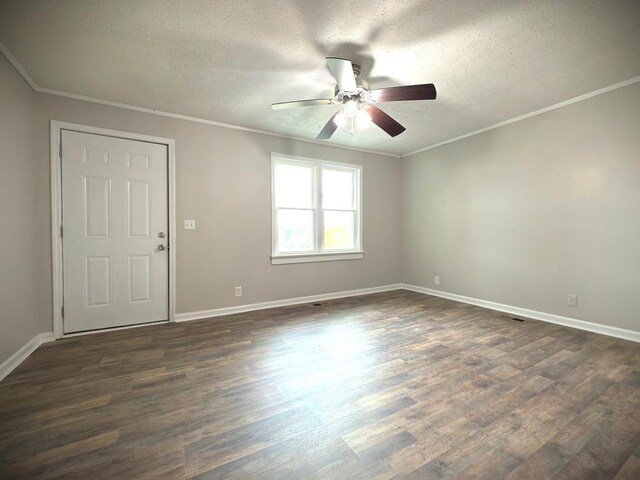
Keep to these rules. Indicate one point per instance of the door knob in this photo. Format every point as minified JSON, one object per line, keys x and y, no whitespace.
{"x":160,"y":247}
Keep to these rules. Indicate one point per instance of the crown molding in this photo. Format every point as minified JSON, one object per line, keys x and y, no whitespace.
{"x":48,"y":91}
{"x":580,"y":98}
{"x":20,"y":69}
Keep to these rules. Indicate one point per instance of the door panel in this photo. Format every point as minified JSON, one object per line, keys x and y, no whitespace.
{"x":96,"y":156}
{"x":139,"y":278}
{"x":115,"y":244}
{"x":97,"y":281}
{"x":96,"y":203}
{"x":139,"y":209}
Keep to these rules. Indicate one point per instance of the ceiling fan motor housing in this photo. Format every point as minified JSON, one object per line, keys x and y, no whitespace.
{"x":360,"y":94}
{"x":357,"y":95}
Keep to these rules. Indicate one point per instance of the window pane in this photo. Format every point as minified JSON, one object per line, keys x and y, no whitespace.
{"x":294,"y":186}
{"x":337,"y":190}
{"x":339,"y":229}
{"x":295,"y":230}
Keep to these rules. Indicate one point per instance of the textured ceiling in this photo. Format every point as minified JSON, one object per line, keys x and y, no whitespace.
{"x":228,"y":61}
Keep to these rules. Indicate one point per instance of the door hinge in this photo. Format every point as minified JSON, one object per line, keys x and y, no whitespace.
{"x":62,"y":311}
{"x":60,"y":150}
{"x":60,"y":231}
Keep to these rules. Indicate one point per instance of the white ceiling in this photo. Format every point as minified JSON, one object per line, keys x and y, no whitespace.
{"x":227,"y":61}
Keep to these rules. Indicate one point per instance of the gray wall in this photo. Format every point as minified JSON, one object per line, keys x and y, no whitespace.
{"x":529,"y":213}
{"x":223,"y":179}
{"x":223,"y":182}
{"x":524,"y":215}
{"x":23,"y":217}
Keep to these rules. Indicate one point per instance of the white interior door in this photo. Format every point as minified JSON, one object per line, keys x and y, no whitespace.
{"x":115,"y":231}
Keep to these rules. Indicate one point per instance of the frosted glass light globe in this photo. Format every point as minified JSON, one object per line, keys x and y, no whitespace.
{"x":351,"y":108}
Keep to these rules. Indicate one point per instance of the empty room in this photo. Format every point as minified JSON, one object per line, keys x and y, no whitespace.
{"x":296,"y":240}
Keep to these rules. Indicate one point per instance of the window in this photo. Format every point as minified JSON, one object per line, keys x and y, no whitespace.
{"x":316,"y":209}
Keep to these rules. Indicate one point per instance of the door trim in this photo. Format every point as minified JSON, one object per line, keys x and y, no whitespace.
{"x":56,"y":212}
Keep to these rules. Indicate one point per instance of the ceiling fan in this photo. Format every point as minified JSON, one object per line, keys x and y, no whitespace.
{"x":358,"y":101}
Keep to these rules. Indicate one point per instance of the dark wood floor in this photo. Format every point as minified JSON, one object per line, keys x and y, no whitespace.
{"x":392,"y":385}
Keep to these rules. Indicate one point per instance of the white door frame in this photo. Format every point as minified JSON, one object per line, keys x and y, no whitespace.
{"x":56,"y":214}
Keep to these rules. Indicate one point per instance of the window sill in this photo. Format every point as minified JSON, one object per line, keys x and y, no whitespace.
{"x":315,"y":257}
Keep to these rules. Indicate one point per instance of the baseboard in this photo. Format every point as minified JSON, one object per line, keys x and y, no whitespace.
{"x":217,"y":312}
{"x":21,"y":355}
{"x":524,"y":312}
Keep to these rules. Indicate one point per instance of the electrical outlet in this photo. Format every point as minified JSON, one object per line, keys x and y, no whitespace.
{"x":572,"y":300}
{"x":238,"y":291}
{"x":189,"y":224}
{"x":436,"y":280}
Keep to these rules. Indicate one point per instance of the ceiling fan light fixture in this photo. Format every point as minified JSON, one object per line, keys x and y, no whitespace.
{"x":351,"y":108}
{"x":340,"y":119}
{"x":352,"y":92}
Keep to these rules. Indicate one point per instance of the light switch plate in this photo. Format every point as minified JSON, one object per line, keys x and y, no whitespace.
{"x":189,"y":224}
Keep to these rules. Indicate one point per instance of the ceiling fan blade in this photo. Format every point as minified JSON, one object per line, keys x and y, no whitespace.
{"x":385,"y":122}
{"x":342,"y":71}
{"x":302,"y":103}
{"x":426,"y":91}
{"x":328,"y":129}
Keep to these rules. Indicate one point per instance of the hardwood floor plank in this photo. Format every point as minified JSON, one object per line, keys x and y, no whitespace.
{"x":630,"y":470}
{"x":390,"y":385}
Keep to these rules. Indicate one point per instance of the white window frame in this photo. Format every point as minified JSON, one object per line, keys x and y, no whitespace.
{"x":319,"y":254}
